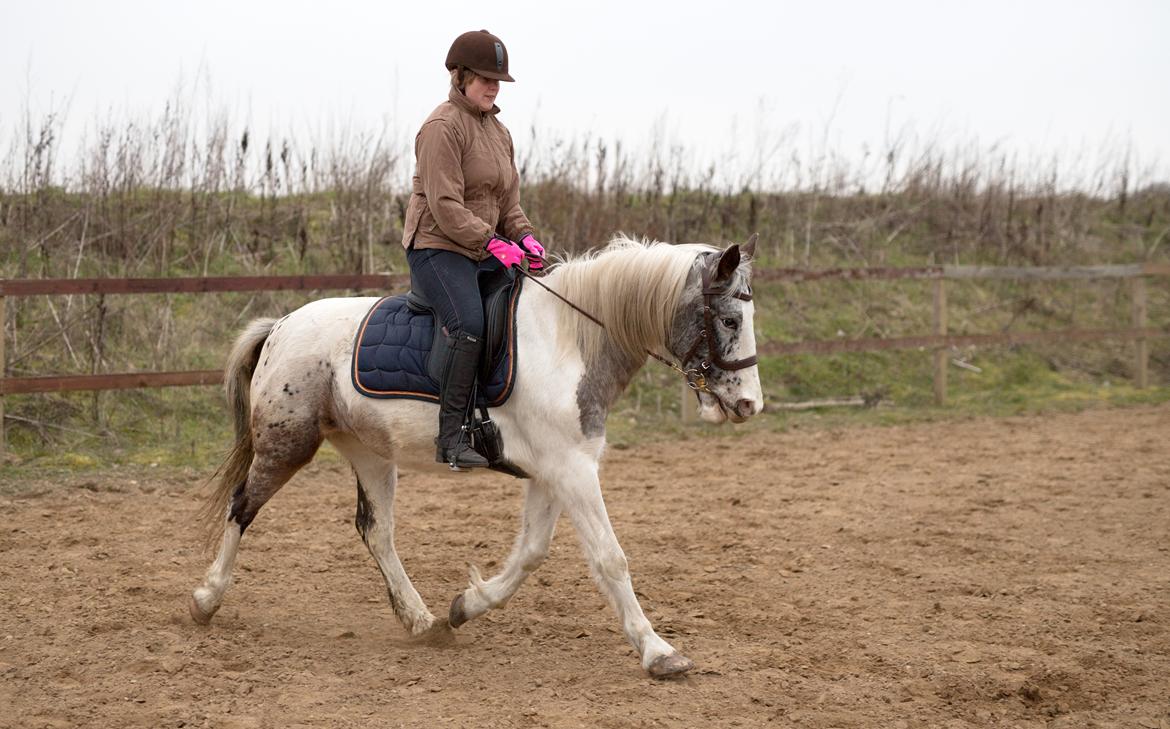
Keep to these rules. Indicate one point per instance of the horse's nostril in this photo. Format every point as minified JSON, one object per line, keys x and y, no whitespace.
{"x":745,"y":407}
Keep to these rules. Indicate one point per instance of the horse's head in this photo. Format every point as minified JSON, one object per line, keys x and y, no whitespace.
{"x":713,"y":335}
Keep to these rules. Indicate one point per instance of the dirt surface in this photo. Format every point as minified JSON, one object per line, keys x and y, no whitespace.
{"x":982,"y":573}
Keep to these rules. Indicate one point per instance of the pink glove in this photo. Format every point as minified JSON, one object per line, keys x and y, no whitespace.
{"x":534,"y":252}
{"x":505,"y":250}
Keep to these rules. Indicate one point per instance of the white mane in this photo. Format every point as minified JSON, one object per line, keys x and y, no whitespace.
{"x":633,"y":286}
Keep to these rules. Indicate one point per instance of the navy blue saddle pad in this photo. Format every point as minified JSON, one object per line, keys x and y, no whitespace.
{"x":399,"y":349}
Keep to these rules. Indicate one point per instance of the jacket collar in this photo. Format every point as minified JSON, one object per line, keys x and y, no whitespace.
{"x":456,"y":97}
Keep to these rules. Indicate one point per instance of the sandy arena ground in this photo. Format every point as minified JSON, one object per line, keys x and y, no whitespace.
{"x":984,"y":573}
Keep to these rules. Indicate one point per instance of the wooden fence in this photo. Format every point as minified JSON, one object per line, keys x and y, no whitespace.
{"x":939,"y":341}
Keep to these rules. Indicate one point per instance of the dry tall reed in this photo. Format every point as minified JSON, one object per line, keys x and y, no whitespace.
{"x":181,"y":194}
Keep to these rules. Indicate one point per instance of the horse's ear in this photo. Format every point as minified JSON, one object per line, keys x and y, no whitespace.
{"x":728,"y":262}
{"x":749,"y":248}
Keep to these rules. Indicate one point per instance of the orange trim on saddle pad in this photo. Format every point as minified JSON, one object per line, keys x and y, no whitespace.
{"x":355,"y":375}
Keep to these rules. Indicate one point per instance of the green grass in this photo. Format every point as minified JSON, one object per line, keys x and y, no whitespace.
{"x":188,"y":428}
{"x":1022,"y":383}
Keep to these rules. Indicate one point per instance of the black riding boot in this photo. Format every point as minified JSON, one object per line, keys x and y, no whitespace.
{"x":459,"y":372}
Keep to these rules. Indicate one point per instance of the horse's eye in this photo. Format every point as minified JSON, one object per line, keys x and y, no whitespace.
{"x":730,"y":323}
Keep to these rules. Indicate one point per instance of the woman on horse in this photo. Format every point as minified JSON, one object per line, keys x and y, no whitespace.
{"x":463,"y":217}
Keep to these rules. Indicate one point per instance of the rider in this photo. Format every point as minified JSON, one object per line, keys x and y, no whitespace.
{"x":463,"y":216}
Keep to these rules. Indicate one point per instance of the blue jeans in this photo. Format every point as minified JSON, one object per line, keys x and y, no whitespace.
{"x":450,"y":284}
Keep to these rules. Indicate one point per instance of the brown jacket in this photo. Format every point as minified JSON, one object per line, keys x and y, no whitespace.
{"x":466,"y":187}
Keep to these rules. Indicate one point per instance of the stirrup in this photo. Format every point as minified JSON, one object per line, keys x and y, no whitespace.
{"x":452,"y":456}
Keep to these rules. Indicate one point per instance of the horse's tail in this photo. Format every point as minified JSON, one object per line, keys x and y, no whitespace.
{"x":237,"y":381}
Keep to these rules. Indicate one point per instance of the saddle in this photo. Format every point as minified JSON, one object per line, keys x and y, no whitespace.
{"x":399,"y":349}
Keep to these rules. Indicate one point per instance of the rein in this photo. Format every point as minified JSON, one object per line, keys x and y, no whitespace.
{"x":696,"y":378}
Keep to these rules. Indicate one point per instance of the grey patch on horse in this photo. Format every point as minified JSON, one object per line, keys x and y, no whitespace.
{"x":280,"y":452}
{"x":603,"y":382}
{"x":607,"y":378}
{"x":688,"y":320}
{"x":728,"y":346}
{"x":287,"y":443}
{"x":240,"y":512}
{"x":285,"y":437}
{"x":364,"y":517}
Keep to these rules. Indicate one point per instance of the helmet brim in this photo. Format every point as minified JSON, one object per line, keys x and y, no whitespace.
{"x":494,"y":75}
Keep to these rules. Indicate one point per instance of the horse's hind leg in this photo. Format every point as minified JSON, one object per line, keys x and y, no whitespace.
{"x":536,"y":530}
{"x":280,"y":454}
{"x":377,"y":479}
{"x":206,"y":599}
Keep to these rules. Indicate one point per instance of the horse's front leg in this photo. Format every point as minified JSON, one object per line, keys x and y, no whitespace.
{"x":538,"y":522}
{"x":580,"y":493}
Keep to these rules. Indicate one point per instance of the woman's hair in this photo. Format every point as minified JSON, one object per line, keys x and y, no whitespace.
{"x":461,"y":77}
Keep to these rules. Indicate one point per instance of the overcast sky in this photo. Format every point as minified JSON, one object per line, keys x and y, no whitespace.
{"x":1044,"y":78}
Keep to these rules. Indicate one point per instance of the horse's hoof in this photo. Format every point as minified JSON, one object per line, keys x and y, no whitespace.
{"x":197,"y":614}
{"x":670,"y":666}
{"x":457,"y":617}
{"x":438,"y":635}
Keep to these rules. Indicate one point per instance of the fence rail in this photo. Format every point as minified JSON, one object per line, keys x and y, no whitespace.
{"x":123,"y":381}
{"x":198,"y":285}
{"x":938,"y":341}
{"x":878,"y":344}
{"x":959,"y":273}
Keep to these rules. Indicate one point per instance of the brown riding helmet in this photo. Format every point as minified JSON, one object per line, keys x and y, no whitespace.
{"x":482,"y":52}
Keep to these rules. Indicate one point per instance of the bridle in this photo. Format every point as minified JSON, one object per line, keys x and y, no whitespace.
{"x":698,"y":381}
{"x":696,"y":377}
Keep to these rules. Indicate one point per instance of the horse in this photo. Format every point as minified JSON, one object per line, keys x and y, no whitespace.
{"x":288,"y":384}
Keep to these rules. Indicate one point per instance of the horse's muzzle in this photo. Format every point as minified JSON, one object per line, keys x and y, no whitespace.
{"x":714,"y":410}
{"x":745,"y":408}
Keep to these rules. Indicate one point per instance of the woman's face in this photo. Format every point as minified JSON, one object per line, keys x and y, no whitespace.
{"x":482,"y":92}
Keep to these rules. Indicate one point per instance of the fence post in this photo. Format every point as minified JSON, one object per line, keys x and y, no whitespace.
{"x":940,"y":352}
{"x":1141,"y":367}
